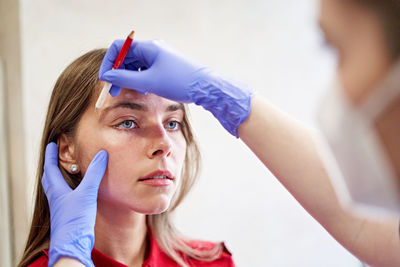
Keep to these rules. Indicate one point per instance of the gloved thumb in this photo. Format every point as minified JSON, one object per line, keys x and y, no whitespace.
{"x":95,"y":172}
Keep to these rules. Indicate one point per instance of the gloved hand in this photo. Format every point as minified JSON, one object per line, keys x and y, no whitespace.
{"x":72,"y":212}
{"x":170,"y":74}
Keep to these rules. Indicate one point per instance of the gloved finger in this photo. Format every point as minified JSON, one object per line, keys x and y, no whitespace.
{"x":140,"y":81}
{"x":134,"y":65}
{"x":145,"y":51}
{"x":115,"y":90}
{"x":53,"y":182}
{"x":141,"y":52}
{"x":94,"y":174}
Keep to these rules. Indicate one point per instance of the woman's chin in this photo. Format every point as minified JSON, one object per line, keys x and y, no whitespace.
{"x":153,"y":207}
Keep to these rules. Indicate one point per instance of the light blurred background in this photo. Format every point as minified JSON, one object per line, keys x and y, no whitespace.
{"x":274,"y":46}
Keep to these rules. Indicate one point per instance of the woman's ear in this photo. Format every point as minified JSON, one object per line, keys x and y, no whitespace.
{"x":67,"y":154}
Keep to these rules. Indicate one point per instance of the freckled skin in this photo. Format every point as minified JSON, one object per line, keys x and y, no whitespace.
{"x":133,"y":153}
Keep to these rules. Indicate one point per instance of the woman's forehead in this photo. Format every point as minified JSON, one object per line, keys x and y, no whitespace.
{"x":143,"y":102}
{"x":147,"y":99}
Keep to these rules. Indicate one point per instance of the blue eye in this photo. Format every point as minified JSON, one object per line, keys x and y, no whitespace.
{"x":128,"y":124}
{"x":173,"y":125}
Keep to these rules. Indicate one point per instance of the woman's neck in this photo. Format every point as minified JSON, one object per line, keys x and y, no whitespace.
{"x":121,"y":233}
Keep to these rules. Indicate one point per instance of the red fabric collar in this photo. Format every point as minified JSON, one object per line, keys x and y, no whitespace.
{"x":157,"y":257}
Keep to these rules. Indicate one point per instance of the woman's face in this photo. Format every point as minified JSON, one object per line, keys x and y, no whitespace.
{"x":146,"y":146}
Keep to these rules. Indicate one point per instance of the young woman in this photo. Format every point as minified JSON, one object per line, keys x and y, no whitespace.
{"x":366,"y":108}
{"x":144,"y":147}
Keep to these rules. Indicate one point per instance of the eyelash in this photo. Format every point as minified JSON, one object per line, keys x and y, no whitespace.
{"x":120,"y":125}
{"x":178,"y":125}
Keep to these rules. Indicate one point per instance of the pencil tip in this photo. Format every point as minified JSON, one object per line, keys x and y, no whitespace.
{"x":131,"y":34}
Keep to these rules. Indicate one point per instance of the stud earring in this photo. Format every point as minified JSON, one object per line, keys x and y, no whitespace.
{"x":73,"y":168}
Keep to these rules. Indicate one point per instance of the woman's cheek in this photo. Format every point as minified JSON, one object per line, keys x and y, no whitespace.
{"x":113,"y":183}
{"x":104,"y":185}
{"x":109,"y":178}
{"x":121,"y":171}
{"x":181,"y":149}
{"x":86,"y":153}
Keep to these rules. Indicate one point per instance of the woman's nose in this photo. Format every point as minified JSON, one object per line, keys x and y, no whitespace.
{"x":160,"y":143}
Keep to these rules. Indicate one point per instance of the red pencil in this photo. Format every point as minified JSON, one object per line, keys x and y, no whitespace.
{"x":117,"y":64}
{"x":124,"y":51}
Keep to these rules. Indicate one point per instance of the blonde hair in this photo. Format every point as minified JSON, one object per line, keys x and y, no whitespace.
{"x":74,"y":90}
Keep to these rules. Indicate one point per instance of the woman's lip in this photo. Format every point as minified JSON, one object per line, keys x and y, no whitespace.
{"x":157,"y":182}
{"x":155,"y":174}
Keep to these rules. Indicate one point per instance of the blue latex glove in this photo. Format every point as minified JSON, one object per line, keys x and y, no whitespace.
{"x":170,"y":74}
{"x":72,"y":212}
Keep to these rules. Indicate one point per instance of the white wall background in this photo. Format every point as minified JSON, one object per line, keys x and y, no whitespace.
{"x":272,"y":45}
{"x":5,"y":229}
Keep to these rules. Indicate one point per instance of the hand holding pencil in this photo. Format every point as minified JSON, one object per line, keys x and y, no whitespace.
{"x":117,"y":64}
{"x":170,"y":74}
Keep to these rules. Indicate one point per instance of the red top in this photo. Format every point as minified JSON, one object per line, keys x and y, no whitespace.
{"x":157,"y":257}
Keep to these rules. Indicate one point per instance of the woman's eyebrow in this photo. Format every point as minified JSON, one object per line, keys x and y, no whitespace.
{"x":124,"y":104}
{"x":136,"y":106}
{"x":175,"y":107}
{"x":130,"y":105}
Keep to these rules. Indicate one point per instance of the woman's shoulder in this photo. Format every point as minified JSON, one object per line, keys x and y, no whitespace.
{"x":41,"y":260}
{"x":224,"y":258}
{"x":207,"y":245}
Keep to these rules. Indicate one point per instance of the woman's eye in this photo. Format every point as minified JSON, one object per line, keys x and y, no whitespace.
{"x":173,"y":125}
{"x":128,"y":124}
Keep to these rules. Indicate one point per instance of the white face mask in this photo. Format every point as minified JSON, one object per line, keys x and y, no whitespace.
{"x":365,"y":177}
